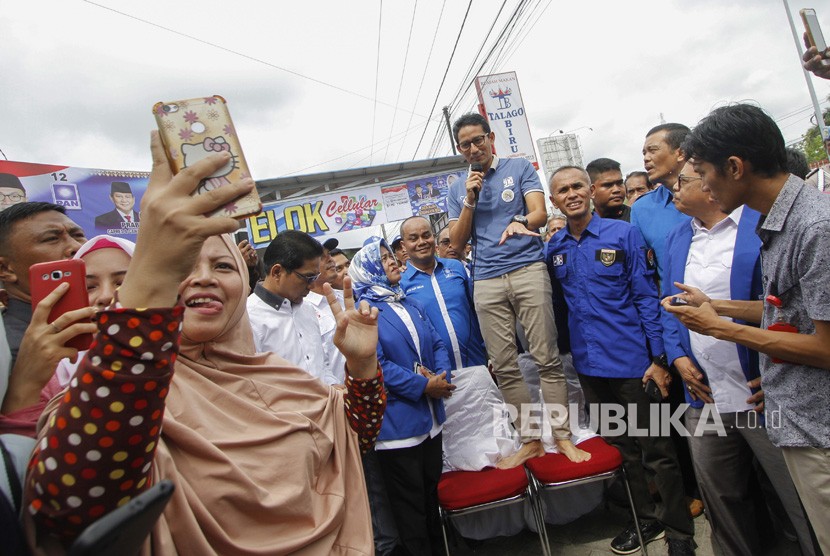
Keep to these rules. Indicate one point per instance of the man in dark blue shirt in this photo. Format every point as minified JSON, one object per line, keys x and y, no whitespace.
{"x":617,"y":348}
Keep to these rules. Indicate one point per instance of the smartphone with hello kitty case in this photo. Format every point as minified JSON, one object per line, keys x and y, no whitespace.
{"x":195,"y":128}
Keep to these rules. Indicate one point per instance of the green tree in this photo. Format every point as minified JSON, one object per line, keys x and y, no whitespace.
{"x":812,"y":143}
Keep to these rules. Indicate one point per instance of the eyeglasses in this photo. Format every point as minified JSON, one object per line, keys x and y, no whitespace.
{"x":308,"y":279}
{"x":478,"y":141}
{"x":444,"y":242}
{"x":13,"y":197}
{"x":684,"y":180}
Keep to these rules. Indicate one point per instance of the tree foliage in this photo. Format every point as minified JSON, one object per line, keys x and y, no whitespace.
{"x":812,"y":144}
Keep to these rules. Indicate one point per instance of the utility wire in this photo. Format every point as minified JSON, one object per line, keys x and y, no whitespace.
{"x":403,"y":73}
{"x":377,"y":74}
{"x":467,"y":82}
{"x":248,"y":57}
{"x":404,"y":133}
{"x":429,"y":57}
{"x":514,"y":49}
{"x":446,"y":71}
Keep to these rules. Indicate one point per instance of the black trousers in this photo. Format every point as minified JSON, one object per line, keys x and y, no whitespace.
{"x":652,"y":450}
{"x":411,"y":476}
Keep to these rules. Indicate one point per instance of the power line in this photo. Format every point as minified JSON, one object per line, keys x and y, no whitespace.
{"x":468,"y":78}
{"x":403,"y":72}
{"x":527,"y":33}
{"x":429,"y":57}
{"x":446,"y":71}
{"x":377,"y":74}
{"x":403,"y":133}
{"x":247,"y":56}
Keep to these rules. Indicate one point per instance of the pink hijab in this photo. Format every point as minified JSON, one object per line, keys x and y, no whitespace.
{"x":261,"y":452}
{"x":66,"y":369}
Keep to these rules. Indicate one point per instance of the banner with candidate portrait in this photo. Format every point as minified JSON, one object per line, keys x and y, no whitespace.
{"x":355,"y":209}
{"x":108,"y":201}
{"x":99,"y":201}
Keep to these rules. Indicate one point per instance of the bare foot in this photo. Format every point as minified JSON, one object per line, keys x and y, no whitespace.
{"x":570,"y":451}
{"x":532,"y":449}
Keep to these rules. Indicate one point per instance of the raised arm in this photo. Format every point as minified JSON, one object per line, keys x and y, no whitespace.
{"x":97,"y":448}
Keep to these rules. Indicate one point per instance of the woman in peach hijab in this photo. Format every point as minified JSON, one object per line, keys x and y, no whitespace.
{"x":265,"y":458}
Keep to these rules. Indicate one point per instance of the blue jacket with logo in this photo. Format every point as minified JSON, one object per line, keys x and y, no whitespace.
{"x":407,"y":407}
{"x":744,"y":284}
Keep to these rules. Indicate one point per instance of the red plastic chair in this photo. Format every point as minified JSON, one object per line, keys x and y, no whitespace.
{"x":465,"y":492}
{"x":555,"y":471}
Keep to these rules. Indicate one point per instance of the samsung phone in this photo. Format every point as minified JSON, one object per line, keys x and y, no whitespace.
{"x":45,"y":277}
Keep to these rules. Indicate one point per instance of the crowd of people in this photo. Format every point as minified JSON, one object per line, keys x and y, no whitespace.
{"x":297,"y":400}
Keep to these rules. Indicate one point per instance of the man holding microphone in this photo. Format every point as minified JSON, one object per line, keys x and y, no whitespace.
{"x":500,"y":205}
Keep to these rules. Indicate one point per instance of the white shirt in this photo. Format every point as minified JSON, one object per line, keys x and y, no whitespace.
{"x":291,"y":331}
{"x":124,"y":215}
{"x":436,"y":427}
{"x":325,"y":319}
{"x":709,"y":267}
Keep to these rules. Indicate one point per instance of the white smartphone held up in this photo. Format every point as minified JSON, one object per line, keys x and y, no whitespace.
{"x":814,"y":35}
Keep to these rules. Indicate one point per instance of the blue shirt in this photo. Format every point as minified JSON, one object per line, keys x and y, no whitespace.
{"x":655,"y":215}
{"x":501,"y":198}
{"x":613,"y":310}
{"x":454,"y":305}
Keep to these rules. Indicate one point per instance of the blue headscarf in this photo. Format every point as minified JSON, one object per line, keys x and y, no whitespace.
{"x":369,"y":279}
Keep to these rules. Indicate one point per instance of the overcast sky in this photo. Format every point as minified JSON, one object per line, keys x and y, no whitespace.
{"x":79,"y":79}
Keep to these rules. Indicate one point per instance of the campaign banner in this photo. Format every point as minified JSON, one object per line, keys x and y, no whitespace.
{"x":318,"y":216}
{"x":352,"y":210}
{"x":502,"y":105}
{"x":99,"y":201}
{"x":108,"y":201}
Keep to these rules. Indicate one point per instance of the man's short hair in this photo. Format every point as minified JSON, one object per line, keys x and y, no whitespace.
{"x":17,"y":213}
{"x":337,"y":251}
{"x":600,"y":166}
{"x":411,"y":218}
{"x":797,"y":162}
{"x":675,"y":133}
{"x":638,"y":173}
{"x":469,"y":119}
{"x":291,"y":249}
{"x":740,"y":130}
{"x":567,"y":167}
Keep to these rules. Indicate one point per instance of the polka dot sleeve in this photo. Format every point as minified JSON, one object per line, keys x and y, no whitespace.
{"x":365,"y":403}
{"x":97,"y":448}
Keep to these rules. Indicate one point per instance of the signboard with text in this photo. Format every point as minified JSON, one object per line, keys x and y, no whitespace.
{"x":351,"y":210}
{"x":501,"y":103}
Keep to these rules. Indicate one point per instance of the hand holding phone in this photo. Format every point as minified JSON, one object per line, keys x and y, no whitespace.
{"x":196,"y":128}
{"x":44,"y":278}
{"x":814,"y":38}
{"x":174,"y":228}
{"x":54,"y":331}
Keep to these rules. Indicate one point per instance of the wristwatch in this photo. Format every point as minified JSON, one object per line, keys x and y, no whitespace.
{"x":521,"y":219}
{"x":661,"y":361}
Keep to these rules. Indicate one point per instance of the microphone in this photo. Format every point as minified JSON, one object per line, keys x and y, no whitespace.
{"x":477,"y":168}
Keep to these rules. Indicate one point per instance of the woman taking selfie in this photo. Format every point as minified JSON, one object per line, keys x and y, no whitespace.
{"x":264,"y":457}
